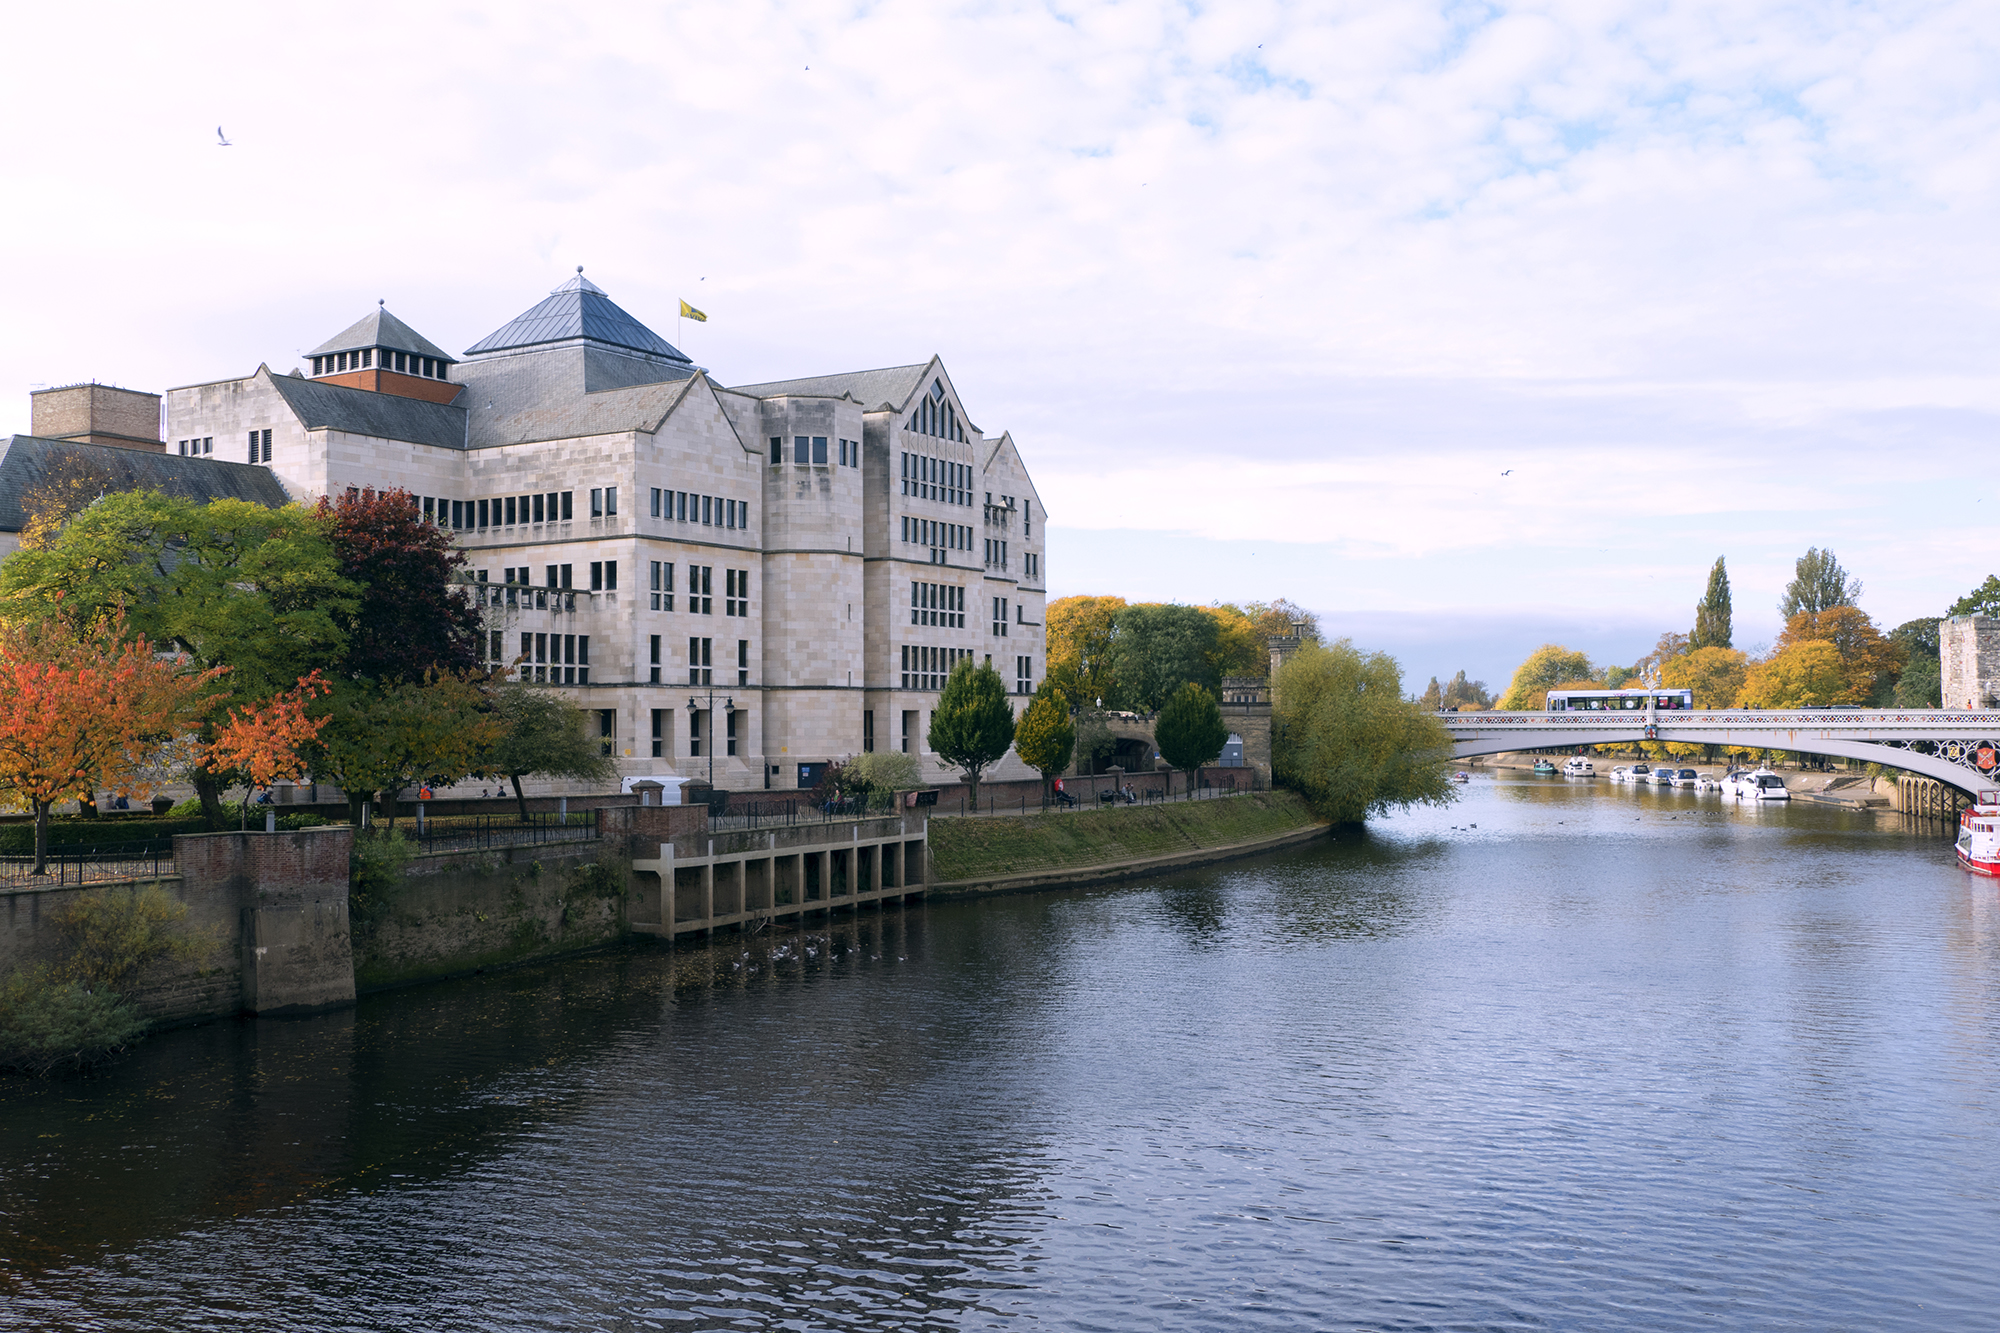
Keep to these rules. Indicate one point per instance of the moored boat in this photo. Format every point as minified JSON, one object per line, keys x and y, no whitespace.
{"x":1578,"y":767}
{"x":1979,"y":835}
{"x":1544,"y":769}
{"x":1763,"y":785}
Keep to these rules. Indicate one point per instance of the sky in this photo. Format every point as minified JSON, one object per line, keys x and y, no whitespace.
{"x":1468,"y":326}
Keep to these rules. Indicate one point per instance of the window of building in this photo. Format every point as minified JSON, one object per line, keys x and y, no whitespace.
{"x":909,"y":728}
{"x":694,"y":733}
{"x":656,"y":502}
{"x":801,"y":449}
{"x":597,"y":576}
{"x":701,"y":586}
{"x":736,"y":592}
{"x":743,"y":661}
{"x":565,"y":504}
{"x":607,"y":731}
{"x":655,"y":679}
{"x":1024,"y":675}
{"x":663,"y":585}
{"x":707,"y":502}
{"x":867,"y":731}
{"x":508,"y":506}
{"x":1000,"y":616}
{"x":819,"y":450}
{"x":729,"y":730}
{"x":596,"y":503}
{"x":260,"y":446}
{"x":660,"y":734}
{"x":700,"y":670}
{"x":777,"y":450}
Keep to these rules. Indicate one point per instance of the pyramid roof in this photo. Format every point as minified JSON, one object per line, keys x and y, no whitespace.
{"x":577,"y":309}
{"x":379,"y":328}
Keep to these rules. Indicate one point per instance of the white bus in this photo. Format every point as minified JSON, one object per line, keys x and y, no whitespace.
{"x":1610,"y":701}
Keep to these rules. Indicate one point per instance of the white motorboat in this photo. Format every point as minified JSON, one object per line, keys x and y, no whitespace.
{"x":1639,"y":773}
{"x":1620,"y":774}
{"x":1763,"y":785}
{"x":1708,"y":782}
{"x":1578,"y":767}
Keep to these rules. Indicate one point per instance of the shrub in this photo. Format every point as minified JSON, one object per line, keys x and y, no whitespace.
{"x":48,"y":1025}
{"x":376,"y":869}
{"x":112,"y":933}
{"x":293,"y":823}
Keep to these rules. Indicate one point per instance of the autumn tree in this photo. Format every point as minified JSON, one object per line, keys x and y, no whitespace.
{"x":1080,"y":631}
{"x":1818,"y":584}
{"x":1872,"y":662}
{"x":1239,"y":649}
{"x":1347,"y":740}
{"x":1190,"y":731}
{"x":80,"y":709}
{"x":973,"y":724}
{"x":1805,"y":674}
{"x":543,"y":733}
{"x":69,"y":484}
{"x":1712,"y":614}
{"x":1715,"y":675}
{"x":409,"y":614}
{"x":381,"y":738}
{"x":1546,"y":668}
{"x":1160,"y":646}
{"x":228,"y":583}
{"x":1045,"y":738}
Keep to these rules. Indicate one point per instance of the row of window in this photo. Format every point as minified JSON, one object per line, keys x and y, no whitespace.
{"x":663,"y":730}
{"x":701,"y":589}
{"x":408,"y":363}
{"x":936,"y":416}
{"x":196,"y":448}
{"x":930,"y":478}
{"x":996,"y":553}
{"x":925,"y":668}
{"x":938,"y":536}
{"x":508,"y":511}
{"x":549,"y":659}
{"x":701,"y":661}
{"x":810,"y":451}
{"x":937,"y":604}
{"x":713,"y":510}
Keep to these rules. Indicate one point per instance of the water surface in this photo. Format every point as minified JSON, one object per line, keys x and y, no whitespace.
{"x":1565,"y":1055}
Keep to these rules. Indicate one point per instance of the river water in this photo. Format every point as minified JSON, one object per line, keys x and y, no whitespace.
{"x":1564,"y":1056}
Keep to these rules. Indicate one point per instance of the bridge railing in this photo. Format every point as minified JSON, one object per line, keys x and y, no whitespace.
{"x":1942,"y":722}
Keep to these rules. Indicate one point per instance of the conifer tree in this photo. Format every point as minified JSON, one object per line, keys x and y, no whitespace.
{"x":1711,"y":613}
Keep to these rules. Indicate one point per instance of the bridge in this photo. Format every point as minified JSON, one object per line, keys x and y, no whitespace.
{"x":1959,"y":749}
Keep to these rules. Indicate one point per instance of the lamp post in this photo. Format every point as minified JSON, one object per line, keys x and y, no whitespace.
{"x":694,"y":713}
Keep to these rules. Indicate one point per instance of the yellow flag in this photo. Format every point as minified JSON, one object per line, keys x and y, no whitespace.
{"x":689,"y":312}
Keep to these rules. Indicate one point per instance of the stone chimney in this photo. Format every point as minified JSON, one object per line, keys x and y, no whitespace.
{"x":1282,"y":647}
{"x":97,"y":414}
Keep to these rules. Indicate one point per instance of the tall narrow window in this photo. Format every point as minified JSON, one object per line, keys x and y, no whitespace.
{"x":656,"y":502}
{"x":729,"y":730}
{"x":596,"y":503}
{"x":607,"y":731}
{"x":743,"y":661}
{"x":611,"y":501}
{"x":565,"y":504}
{"x":867,"y":731}
{"x":655,"y":678}
{"x":819,"y":450}
{"x":777,"y":450}
{"x":659,"y":732}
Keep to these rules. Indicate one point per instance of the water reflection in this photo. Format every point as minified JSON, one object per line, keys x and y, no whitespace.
{"x":1556,"y":1056}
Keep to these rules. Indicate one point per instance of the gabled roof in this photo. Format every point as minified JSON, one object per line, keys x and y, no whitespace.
{"x":379,"y":328}
{"x":873,"y":389}
{"x":386,"y":416}
{"x":577,"y":309}
{"x":26,"y":461}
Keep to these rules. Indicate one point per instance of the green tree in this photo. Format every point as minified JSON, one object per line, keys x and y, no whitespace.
{"x":1919,"y":685}
{"x":1463,"y":693}
{"x":973,"y":724}
{"x":1349,"y":742}
{"x":544,"y":733}
{"x":1432,"y":700}
{"x":1547,"y":667}
{"x":1818,"y":584}
{"x":1045,"y":738}
{"x":1094,"y":741}
{"x":1158,"y":647}
{"x":1190,"y":731}
{"x":232,"y":584}
{"x":1711,"y":613}
{"x":382,"y":738}
{"x":885,"y":771}
{"x":1981,"y":601}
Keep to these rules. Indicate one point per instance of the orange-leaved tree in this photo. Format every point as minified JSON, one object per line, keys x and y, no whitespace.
{"x":82,"y":709}
{"x":268,"y":742}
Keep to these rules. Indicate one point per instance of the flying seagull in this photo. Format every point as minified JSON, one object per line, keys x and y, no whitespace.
{"x":222,"y":139}
{"x":1508,"y":473}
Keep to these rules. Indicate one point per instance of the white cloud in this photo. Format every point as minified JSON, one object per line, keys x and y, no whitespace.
{"x":1725,"y":270}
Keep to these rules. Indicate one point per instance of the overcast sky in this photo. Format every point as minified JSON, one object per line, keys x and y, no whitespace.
{"x":1467,"y":326}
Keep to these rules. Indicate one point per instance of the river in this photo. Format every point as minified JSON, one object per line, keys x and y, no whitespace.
{"x":1563,"y":1056}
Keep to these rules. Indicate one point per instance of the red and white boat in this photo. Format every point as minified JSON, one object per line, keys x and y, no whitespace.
{"x":1979,"y":835}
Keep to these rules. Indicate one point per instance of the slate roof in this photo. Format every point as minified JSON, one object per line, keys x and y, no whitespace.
{"x":28,"y":460}
{"x":386,"y":416}
{"x":890,"y":387}
{"x":577,"y":309}
{"x":379,"y":328}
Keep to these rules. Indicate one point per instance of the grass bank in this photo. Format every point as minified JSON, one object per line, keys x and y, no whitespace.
{"x":975,"y":848}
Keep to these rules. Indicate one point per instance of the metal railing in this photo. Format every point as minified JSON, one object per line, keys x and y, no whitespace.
{"x":87,"y":865}
{"x":744,"y":815}
{"x":462,"y":833}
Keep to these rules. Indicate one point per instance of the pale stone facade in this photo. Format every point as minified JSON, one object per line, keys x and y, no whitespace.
{"x":1969,"y":662}
{"x":815,"y":551}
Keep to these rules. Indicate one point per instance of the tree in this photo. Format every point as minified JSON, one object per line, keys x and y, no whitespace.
{"x":972,"y":725}
{"x":1239,"y":649}
{"x":1711,"y":613}
{"x":1818,"y":584}
{"x":1347,"y":739}
{"x":1080,"y":630}
{"x":1870,"y":661}
{"x":71,"y":484}
{"x":1981,"y":601}
{"x":886,"y":770}
{"x":1265,"y":621}
{"x":1462,"y":693}
{"x":543,"y":733}
{"x":81,"y":709}
{"x":409,"y":615}
{"x":1806,"y":674}
{"x":1190,"y":731}
{"x":1432,"y":700}
{"x":1045,"y":738}
{"x":1547,"y":667}
{"x":1920,"y":685}
{"x":1160,"y":646}
{"x":228,"y":583}
{"x":1616,"y":676}
{"x":1715,"y":675}
{"x":1094,"y":740}
{"x":383,"y":738}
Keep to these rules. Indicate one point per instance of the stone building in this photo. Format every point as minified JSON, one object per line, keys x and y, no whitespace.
{"x":96,"y":414}
{"x":764,"y":577}
{"x":1969,"y":662}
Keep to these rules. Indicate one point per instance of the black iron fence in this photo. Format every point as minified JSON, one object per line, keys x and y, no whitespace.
{"x":88,"y":865}
{"x":461,"y":833}
{"x":793,"y":814}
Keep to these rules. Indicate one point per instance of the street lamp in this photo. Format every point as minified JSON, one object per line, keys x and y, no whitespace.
{"x":694,"y":713}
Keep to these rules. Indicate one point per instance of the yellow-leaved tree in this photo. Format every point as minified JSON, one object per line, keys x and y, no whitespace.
{"x":1807,"y":674}
{"x":1079,"y":647}
{"x":1547,"y":668}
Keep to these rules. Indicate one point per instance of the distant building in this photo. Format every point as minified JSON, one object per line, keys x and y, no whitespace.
{"x":1969,"y":662}
{"x":96,"y":414}
{"x":819,"y":552}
